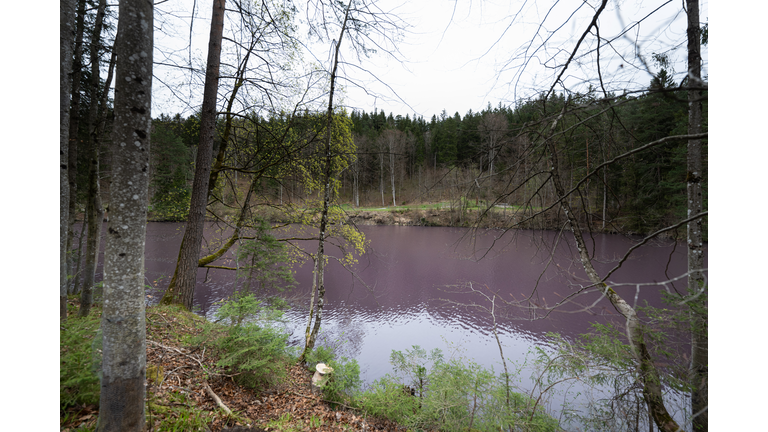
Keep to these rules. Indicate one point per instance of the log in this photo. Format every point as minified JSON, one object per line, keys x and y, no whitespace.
{"x":216,"y":398}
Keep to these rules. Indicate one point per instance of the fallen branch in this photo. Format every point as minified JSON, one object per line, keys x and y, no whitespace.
{"x":170,"y":348}
{"x":216,"y":398}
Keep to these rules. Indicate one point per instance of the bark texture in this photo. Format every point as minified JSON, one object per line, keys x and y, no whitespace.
{"x":181,"y":289}
{"x":66,"y":39}
{"x":699,"y":340}
{"x":95,"y":211}
{"x":123,"y":317}
{"x":74,"y":141}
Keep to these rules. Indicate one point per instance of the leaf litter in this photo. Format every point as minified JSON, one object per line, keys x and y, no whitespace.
{"x":176,"y":378}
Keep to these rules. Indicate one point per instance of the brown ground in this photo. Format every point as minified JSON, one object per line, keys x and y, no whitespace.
{"x":173,"y":369}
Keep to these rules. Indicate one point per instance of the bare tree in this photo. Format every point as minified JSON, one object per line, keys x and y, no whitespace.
{"x":392,"y":141}
{"x":123,"y":316}
{"x":356,"y":169}
{"x":360,"y":22}
{"x":548,"y":167}
{"x":493,"y":128}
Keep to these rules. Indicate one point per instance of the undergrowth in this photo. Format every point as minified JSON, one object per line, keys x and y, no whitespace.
{"x":251,"y":346}
{"x":79,"y":360}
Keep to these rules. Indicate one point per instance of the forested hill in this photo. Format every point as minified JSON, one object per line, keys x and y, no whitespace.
{"x":493,"y":155}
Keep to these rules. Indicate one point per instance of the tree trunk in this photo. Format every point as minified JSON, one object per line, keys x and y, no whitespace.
{"x":123,"y":317}
{"x":320,"y":275}
{"x":217,"y":164}
{"x":392,"y":166}
{"x":95,"y":216}
{"x":699,"y":340}
{"x":181,"y":289}
{"x":96,"y":213}
{"x":381,"y":176}
{"x":74,"y":288}
{"x":649,"y":375}
{"x":66,"y":38}
{"x":309,"y":343}
{"x":74,"y":127}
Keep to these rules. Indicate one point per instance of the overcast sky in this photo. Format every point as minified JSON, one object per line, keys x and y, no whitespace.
{"x":463,"y":55}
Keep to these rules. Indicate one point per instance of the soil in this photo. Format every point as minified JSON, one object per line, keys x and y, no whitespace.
{"x":174,"y":369}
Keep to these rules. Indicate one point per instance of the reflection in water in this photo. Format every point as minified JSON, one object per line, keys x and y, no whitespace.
{"x":412,"y":288}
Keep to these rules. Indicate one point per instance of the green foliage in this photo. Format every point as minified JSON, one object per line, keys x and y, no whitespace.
{"x":264,"y":260}
{"x":344,"y":382}
{"x":388,"y":398}
{"x":282,"y":423}
{"x":240,"y":307}
{"x":171,"y":171}
{"x":612,"y":398}
{"x":79,"y":361}
{"x":320,"y":354}
{"x":256,"y":354}
{"x":251,"y":346}
{"x":464,"y":395}
{"x":178,"y":415}
{"x":315,"y":422}
{"x":413,"y":365}
{"x":451,"y":395}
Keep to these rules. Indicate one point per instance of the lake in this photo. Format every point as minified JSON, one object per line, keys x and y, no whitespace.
{"x":413,"y":288}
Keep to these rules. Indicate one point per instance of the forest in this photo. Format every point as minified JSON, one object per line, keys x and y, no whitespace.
{"x":273,"y":158}
{"x":398,"y":161}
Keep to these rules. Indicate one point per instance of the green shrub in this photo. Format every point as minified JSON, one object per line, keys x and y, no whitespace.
{"x":345,"y":380}
{"x":242,"y":307}
{"x":263,"y":261}
{"x":389,"y":398}
{"x":79,"y":361}
{"x":256,"y":354}
{"x":250,"y":346}
{"x":454,"y":395}
{"x":412,"y":365}
{"x":321,"y":354}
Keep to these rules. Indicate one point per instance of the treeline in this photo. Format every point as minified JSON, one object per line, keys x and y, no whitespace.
{"x":398,"y":160}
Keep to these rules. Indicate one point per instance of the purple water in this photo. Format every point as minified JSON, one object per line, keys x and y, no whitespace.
{"x":412,"y":288}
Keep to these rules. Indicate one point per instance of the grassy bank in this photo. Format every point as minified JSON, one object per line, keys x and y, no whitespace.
{"x":210,"y":376}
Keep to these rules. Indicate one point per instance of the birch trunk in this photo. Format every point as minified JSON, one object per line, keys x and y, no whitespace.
{"x":123,"y":316}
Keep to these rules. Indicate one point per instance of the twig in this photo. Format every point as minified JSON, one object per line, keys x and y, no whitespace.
{"x":178,"y":351}
{"x":216,"y":398}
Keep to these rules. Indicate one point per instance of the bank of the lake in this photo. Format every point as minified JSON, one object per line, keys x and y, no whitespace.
{"x":455,"y":215}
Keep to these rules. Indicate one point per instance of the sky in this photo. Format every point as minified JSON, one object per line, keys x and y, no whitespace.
{"x":461,"y":55}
